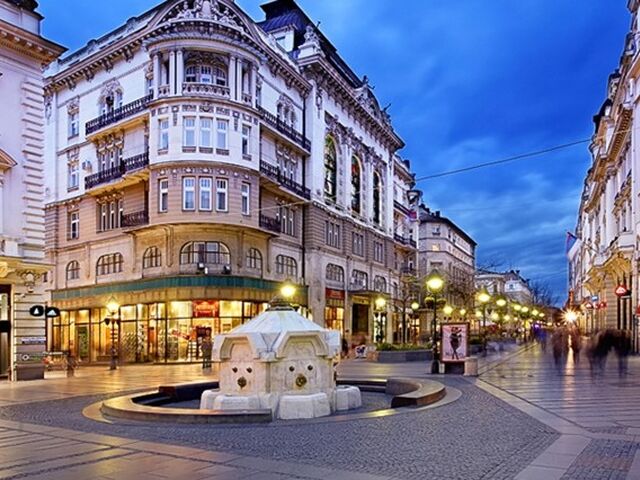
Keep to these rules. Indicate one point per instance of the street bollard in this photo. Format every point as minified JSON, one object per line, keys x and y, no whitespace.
{"x":471,"y":367}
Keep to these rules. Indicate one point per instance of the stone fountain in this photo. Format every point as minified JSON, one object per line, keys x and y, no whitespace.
{"x":282,"y":362}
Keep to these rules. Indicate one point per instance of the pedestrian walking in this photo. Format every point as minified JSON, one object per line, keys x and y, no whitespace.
{"x":345,"y":345}
{"x":559,"y":341}
{"x":576,"y":344}
{"x":622,"y":347}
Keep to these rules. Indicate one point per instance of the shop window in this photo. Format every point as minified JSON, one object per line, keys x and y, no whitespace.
{"x":109,"y":264}
{"x":209,"y":253}
{"x":73,"y":270}
{"x":286,"y":266}
{"x":152,"y":258}
{"x":254,"y":259}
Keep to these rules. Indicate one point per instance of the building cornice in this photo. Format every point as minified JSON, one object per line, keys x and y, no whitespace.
{"x":29,"y":44}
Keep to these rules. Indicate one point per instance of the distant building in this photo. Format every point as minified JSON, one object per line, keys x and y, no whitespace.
{"x":445,"y":247}
{"x":23,"y":53}
{"x":510,"y":284}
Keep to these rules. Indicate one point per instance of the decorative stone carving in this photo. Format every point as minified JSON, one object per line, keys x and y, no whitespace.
{"x":110,"y":89}
{"x":210,"y":10}
{"x":73,"y":106}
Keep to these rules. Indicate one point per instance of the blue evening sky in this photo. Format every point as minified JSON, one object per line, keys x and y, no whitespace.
{"x":469,"y":81}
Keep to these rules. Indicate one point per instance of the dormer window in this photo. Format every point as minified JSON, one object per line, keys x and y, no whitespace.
{"x":209,"y":74}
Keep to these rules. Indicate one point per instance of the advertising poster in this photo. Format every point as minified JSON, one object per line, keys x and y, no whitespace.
{"x":455,"y":342}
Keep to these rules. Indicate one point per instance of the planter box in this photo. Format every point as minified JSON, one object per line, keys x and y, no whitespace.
{"x":391,"y":356}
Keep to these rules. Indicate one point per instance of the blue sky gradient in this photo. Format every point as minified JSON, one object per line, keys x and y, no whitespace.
{"x":469,"y":81}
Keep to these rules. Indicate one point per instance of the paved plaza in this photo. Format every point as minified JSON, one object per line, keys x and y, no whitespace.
{"x":521,"y":419}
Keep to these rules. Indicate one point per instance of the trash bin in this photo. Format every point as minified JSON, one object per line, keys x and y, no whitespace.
{"x":471,"y":367}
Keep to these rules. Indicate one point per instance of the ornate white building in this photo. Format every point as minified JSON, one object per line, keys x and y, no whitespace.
{"x":23,"y":53}
{"x":199,"y":159}
{"x":604,"y":257}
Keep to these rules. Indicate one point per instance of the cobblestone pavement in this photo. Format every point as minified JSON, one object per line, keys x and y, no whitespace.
{"x":475,"y":437}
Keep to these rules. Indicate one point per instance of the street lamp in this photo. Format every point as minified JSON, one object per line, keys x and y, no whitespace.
{"x":435,"y":284}
{"x":113,"y":307}
{"x":447,"y":310}
{"x":380,"y":304}
{"x":570,"y":316}
{"x":288,"y":291}
{"x":501,"y":302}
{"x":484,"y":298}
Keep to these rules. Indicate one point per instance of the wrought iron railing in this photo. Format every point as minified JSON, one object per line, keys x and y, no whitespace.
{"x":275,"y":174}
{"x":271,"y":224}
{"x":135,"y":219}
{"x":113,"y":173}
{"x":286,"y":130}
{"x":118,"y":114}
{"x":399,"y":238}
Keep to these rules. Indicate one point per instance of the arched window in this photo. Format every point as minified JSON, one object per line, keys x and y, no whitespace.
{"x":152,"y":258}
{"x":359,"y":279}
{"x":253,"y":259}
{"x":330,"y":170}
{"x":109,"y":264}
{"x":377,"y":199}
{"x":286,"y":266}
{"x":210,"y":253}
{"x":73,"y":270}
{"x":206,"y":73}
{"x":380,"y":284}
{"x":335,"y":273}
{"x":356,"y":186}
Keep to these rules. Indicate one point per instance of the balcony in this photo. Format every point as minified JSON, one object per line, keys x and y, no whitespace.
{"x":398,"y":206}
{"x":113,"y":173}
{"x":135,"y":219}
{"x":118,"y":114}
{"x":406,"y":241}
{"x":287,"y":130}
{"x":271,"y":224}
{"x":205,"y":90}
{"x":272,"y":172}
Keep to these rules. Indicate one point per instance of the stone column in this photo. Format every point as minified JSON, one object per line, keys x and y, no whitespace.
{"x":232,"y":76}
{"x":172,"y":72}
{"x":155,"y":59}
{"x":239,"y":68}
{"x":179,"y":71}
{"x":2,"y":202}
{"x":252,"y":83}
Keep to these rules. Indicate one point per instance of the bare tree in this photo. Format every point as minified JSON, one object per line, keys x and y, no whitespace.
{"x":542,"y":294}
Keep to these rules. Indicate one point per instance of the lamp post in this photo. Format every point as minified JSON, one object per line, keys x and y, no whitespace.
{"x":524,"y":310}
{"x":484,"y":298}
{"x":415,"y":306}
{"x":113,"y":307}
{"x":435,"y":284}
{"x":380,"y":304}
{"x":288,"y":291}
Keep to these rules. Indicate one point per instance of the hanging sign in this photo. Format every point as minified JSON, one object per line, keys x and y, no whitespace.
{"x":622,"y":291}
{"x":205,"y":309}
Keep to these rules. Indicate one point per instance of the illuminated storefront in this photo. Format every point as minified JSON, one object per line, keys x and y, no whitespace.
{"x":168,"y":331}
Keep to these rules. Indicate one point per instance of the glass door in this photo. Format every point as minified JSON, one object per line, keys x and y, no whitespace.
{"x":5,"y":330}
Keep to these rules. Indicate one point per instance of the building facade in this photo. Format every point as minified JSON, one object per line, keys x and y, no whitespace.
{"x":603,"y":258}
{"x":445,"y":247}
{"x":509,"y":284}
{"x":23,"y":53}
{"x":201,"y":159}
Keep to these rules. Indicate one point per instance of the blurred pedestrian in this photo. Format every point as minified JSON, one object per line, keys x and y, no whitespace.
{"x":559,"y":343}
{"x":345,"y":345}
{"x":576,"y":343}
{"x":622,"y":347}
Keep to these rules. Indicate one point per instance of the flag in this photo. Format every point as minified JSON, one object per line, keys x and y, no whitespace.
{"x":571,"y":240}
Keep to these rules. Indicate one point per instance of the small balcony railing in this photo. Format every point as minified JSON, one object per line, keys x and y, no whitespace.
{"x":401,"y":208}
{"x":274,"y":173}
{"x":205,"y":90}
{"x":113,"y":173}
{"x":286,"y":130}
{"x":399,"y":238}
{"x":135,"y":219}
{"x":271,"y":224}
{"x":118,"y":114}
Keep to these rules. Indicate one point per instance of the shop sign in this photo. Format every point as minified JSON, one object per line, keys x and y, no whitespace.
{"x":332,"y":294}
{"x":33,"y":340}
{"x":205,"y":309}
{"x":622,"y":291}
